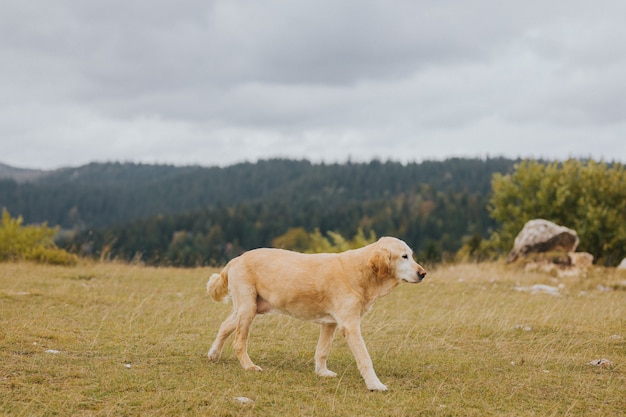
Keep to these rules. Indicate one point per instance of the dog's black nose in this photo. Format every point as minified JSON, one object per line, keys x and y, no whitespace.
{"x":421,"y":275}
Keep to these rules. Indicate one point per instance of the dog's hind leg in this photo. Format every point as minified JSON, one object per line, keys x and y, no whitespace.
{"x":226,"y":329}
{"x":244,"y":321}
{"x":327,"y":332}
{"x":245,"y":300}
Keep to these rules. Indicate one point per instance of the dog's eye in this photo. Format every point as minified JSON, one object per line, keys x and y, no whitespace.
{"x":405,"y":256}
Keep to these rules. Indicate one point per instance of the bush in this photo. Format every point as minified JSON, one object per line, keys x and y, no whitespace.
{"x":587,"y":196}
{"x":299,"y":240}
{"x":30,"y":243}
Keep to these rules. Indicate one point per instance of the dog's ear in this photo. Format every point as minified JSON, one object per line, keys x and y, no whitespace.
{"x":380,"y":263}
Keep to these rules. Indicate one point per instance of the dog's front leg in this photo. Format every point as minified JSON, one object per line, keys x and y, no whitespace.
{"x":352,"y":332}
{"x":327,"y":332}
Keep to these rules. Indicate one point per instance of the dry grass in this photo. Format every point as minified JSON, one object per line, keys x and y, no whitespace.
{"x":132,"y":341}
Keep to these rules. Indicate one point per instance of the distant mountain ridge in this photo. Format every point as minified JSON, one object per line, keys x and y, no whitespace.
{"x":103,"y":194}
{"x":20,"y":174}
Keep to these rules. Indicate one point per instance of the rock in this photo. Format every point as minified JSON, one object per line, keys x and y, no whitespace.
{"x":541,"y":235}
{"x":581,"y":259}
{"x":605,"y":363}
{"x":622,"y":265}
{"x":540,"y":288}
{"x":541,"y":267}
{"x":244,"y":400}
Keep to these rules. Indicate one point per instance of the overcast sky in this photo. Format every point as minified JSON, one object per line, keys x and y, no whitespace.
{"x":218,"y":82}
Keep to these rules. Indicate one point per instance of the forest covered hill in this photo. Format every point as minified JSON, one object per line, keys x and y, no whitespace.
{"x":19,"y":174}
{"x":205,"y":215}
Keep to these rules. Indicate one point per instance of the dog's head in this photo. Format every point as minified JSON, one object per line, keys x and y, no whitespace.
{"x":392,"y":258}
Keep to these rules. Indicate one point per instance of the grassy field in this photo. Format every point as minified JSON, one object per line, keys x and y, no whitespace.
{"x":109,"y":339}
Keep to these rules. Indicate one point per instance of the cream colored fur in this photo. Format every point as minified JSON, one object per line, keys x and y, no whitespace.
{"x":334,"y":290}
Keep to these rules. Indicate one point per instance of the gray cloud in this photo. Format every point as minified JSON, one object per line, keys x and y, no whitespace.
{"x":224,"y":81}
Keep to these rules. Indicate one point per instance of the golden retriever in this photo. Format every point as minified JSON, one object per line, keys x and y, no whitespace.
{"x":332,"y":289}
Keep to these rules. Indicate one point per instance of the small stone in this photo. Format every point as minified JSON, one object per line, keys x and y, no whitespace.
{"x":244,"y":400}
{"x":604,"y":363}
{"x":539,"y":288}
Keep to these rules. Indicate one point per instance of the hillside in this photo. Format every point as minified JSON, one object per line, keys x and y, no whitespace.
{"x":191,"y":215}
{"x":19,"y":174}
{"x":97,"y":195}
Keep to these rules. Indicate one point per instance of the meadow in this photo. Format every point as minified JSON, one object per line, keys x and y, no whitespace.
{"x":112,"y":339}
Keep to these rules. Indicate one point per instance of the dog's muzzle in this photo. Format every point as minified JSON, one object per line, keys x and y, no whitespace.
{"x":420,"y":276}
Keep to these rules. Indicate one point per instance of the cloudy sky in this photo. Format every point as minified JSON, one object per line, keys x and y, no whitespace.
{"x":222,"y":81}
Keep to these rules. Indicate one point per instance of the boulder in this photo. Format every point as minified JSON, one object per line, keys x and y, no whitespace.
{"x":541,"y":235}
{"x":581,"y":259}
{"x":622,"y":265}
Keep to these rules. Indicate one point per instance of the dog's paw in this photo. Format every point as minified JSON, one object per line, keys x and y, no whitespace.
{"x":213,"y":356}
{"x":377,"y":386}
{"x":326,"y":373}
{"x":254,"y":368}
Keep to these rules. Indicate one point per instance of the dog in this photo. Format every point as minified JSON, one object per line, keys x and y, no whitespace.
{"x":332,"y":289}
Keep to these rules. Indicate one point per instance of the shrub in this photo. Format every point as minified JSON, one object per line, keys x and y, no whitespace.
{"x":587,"y":196}
{"x":30,"y":243}
{"x":299,"y":240}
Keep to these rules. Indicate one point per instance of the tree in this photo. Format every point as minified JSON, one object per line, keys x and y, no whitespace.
{"x":588,"y":196}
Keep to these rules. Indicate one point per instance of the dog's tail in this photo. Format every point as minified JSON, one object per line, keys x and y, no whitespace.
{"x":217,"y":287}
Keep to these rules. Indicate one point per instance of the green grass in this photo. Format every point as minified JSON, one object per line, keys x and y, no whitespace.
{"x":132,"y":340}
